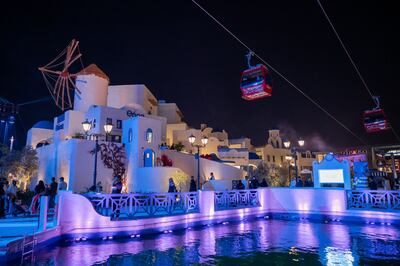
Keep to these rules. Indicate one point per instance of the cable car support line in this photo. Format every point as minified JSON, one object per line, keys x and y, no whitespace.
{"x":352,"y":62}
{"x":279,"y":74}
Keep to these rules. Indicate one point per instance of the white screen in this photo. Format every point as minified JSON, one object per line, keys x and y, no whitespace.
{"x":331,"y":176}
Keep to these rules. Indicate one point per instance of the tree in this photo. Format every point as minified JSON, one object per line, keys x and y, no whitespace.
{"x":21,"y":165}
{"x":181,"y":180}
{"x":261,"y":171}
{"x":178,"y":147}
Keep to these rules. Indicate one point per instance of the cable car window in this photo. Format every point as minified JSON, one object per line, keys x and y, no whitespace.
{"x":252,"y":78}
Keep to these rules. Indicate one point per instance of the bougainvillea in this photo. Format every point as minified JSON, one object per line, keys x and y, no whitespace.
{"x":113,"y":157}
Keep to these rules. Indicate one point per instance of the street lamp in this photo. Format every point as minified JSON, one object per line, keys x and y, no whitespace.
{"x":301,"y":143}
{"x":108,"y":128}
{"x":204,"y":141}
{"x":86,"y":127}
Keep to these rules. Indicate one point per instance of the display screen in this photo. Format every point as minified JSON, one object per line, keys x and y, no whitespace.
{"x":331,"y":176}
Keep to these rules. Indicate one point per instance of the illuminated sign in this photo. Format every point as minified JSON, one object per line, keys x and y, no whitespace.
{"x":331,"y":176}
{"x":131,"y":113}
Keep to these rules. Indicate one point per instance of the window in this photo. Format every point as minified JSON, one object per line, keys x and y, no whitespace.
{"x":273,"y":158}
{"x":109,"y":120}
{"x":119,"y":124}
{"x":130,"y":135}
{"x":281,"y":159}
{"x":268,"y":158}
{"x":94,"y":123}
{"x":149,"y":135}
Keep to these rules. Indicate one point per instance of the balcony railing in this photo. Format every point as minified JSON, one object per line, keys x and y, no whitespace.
{"x":373,"y":200}
{"x":235,"y":199}
{"x":131,"y":206}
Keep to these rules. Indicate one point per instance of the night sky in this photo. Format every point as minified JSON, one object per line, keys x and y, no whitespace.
{"x":184,"y":57}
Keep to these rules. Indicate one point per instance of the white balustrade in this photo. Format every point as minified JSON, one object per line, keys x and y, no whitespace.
{"x":234,"y":199}
{"x":373,"y":200}
{"x":136,"y":205}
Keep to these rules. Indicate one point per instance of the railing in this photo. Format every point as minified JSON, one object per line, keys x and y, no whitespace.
{"x":373,"y":199}
{"x":137,"y":205}
{"x":235,"y":199}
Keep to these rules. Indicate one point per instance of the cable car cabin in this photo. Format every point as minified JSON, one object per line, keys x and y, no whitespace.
{"x":375,"y":121}
{"x":256,"y":83}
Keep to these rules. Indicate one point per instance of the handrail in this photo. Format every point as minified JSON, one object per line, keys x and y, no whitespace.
{"x":234,"y":199}
{"x":373,"y":199}
{"x":136,"y":205}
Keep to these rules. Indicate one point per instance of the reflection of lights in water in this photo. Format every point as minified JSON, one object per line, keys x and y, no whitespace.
{"x":338,"y":257}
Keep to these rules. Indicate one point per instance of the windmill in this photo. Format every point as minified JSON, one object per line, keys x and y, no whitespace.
{"x":59,"y":81}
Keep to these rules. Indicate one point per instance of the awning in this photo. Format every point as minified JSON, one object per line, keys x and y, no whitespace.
{"x":305,"y":171}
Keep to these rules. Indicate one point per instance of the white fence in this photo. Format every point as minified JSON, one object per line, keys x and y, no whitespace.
{"x":138,"y":205}
{"x":373,"y":200}
{"x":234,"y":199}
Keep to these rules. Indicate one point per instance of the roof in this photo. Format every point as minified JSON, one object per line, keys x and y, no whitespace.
{"x":43,"y":124}
{"x":95,"y":70}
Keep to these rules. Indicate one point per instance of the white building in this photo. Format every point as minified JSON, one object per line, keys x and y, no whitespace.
{"x":141,"y":124}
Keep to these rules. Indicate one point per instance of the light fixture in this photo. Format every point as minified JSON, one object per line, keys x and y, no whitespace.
{"x":288,"y":157}
{"x":108,"y":128}
{"x":86,"y":126}
{"x":192,"y":139}
{"x":286,"y":143}
{"x":301,"y":142}
{"x":204,"y":140}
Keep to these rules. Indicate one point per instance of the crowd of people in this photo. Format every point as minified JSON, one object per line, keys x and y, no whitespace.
{"x":11,"y":196}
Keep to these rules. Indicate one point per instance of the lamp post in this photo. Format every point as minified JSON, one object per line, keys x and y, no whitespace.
{"x":204,"y":141}
{"x":301,"y":143}
{"x":86,"y":127}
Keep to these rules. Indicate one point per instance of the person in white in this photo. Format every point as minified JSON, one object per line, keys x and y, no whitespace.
{"x":12,"y":195}
{"x":62,"y":185}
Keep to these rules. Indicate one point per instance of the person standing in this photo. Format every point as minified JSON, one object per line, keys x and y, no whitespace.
{"x":212,"y":177}
{"x":240,"y":185}
{"x":193,"y":186}
{"x":12,"y":195}
{"x":171,"y":186}
{"x":386,"y":184}
{"x":62,"y":185}
{"x":40,"y":190}
{"x":264,"y":183}
{"x":2,"y":200}
{"x":53,"y":191}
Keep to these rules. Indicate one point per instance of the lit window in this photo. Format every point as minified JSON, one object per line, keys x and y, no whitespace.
{"x":149,"y":135}
{"x":130,"y":135}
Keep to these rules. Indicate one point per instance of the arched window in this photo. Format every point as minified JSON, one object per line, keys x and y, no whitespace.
{"x":130,"y":135}
{"x":149,"y":135}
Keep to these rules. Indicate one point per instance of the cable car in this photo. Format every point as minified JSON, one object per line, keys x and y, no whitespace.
{"x":375,"y":120}
{"x":256,"y":81}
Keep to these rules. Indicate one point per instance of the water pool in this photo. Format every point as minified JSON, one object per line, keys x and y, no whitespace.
{"x":258,"y":242}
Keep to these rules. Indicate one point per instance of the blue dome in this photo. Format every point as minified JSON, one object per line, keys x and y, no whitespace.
{"x":43,"y":124}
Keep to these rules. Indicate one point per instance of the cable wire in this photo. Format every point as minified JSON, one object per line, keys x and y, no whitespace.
{"x":280,"y":74}
{"x":352,"y":62}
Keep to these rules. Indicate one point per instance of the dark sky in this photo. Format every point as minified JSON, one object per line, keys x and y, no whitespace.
{"x":184,"y":57}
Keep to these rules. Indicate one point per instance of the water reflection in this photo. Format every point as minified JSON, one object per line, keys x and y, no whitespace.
{"x":245,"y":243}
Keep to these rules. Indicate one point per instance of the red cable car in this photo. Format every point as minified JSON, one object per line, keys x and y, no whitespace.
{"x":375,"y":120}
{"x":256,"y":81}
